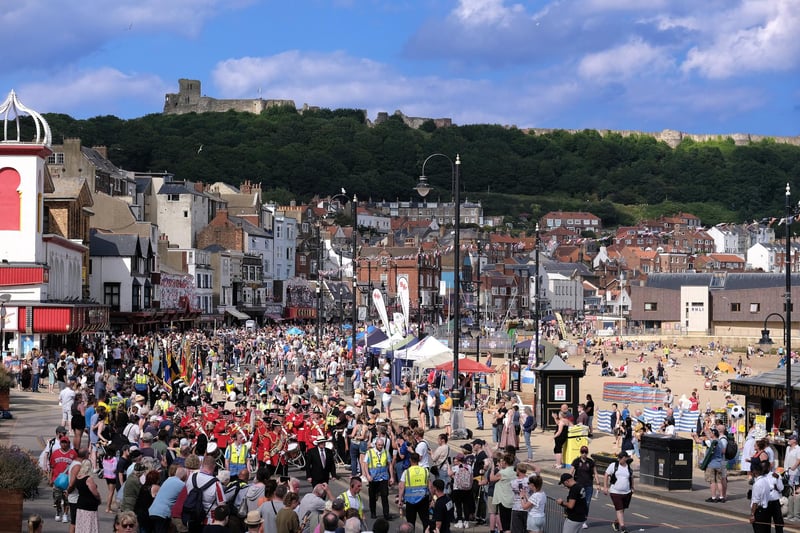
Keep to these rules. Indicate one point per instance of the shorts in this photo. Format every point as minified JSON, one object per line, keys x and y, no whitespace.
{"x":445,"y":418}
{"x":535,"y":523}
{"x":621,"y":501}
{"x":716,"y":475}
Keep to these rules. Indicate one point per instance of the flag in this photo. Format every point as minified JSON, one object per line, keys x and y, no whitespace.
{"x":402,"y":289}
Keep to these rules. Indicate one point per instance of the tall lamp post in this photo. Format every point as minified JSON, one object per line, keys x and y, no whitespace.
{"x":788,"y":324}
{"x":355,"y":274}
{"x":354,"y":311}
{"x":4,"y":298}
{"x":536,"y":300}
{"x":423,"y":188}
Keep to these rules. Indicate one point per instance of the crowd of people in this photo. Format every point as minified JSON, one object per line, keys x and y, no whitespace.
{"x":252,"y":417}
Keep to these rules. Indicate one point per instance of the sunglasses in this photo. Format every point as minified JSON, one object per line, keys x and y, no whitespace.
{"x":127,"y":525}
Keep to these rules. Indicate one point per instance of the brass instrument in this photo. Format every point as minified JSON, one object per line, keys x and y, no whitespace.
{"x":279,"y":445}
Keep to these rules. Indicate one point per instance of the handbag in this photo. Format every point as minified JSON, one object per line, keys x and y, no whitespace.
{"x":62,"y":481}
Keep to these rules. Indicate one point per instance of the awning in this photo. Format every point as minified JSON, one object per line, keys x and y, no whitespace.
{"x":236,"y":313}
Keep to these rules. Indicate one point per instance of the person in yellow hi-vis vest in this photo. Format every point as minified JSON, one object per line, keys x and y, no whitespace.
{"x":163,"y":404}
{"x":236,"y":454}
{"x":140,"y":384}
{"x":380,"y":476}
{"x":414,"y":490}
{"x":352,"y":497}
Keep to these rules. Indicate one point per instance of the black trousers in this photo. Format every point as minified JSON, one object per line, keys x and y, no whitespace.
{"x":762,"y":522}
{"x":421,"y":509}
{"x":464,"y":504}
{"x":775,"y":513}
{"x":379,"y":488}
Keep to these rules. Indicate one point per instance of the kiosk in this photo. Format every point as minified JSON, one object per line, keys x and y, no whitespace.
{"x":558,"y":383}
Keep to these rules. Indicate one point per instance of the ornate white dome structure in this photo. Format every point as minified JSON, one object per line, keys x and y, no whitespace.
{"x":11,"y":110}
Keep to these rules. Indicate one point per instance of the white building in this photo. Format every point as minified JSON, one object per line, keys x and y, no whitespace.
{"x":120,"y":268}
{"x":725,"y":240}
{"x":179,"y":208}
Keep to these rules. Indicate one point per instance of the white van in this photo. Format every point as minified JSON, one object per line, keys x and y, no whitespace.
{"x":250,"y":324}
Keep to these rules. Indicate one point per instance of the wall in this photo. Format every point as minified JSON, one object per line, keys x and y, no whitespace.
{"x":673,"y":137}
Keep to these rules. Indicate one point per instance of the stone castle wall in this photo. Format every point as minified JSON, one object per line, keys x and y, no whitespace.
{"x":673,"y":137}
{"x":189,"y":99}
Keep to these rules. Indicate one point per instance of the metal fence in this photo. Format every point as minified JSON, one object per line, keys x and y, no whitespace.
{"x":553,"y":516}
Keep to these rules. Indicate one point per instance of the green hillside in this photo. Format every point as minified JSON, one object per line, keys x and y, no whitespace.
{"x":514,"y":174}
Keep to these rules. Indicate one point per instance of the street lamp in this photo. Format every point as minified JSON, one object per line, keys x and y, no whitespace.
{"x":423,"y":188}
{"x":787,"y":265}
{"x":4,"y":298}
{"x":355,"y":276}
{"x":536,"y":300}
{"x":354,"y":311}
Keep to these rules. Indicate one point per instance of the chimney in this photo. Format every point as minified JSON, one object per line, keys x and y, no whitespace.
{"x":102,"y":150}
{"x":199,"y":187}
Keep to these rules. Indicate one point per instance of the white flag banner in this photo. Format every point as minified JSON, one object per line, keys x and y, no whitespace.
{"x":380,"y":305}
{"x":402,"y":293}
{"x":399,"y":324}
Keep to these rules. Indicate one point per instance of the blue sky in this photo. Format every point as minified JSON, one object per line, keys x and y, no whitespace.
{"x":708,"y":66}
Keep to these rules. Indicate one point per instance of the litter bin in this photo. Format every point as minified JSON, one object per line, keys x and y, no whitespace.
{"x":457,"y":418}
{"x":577,"y":436}
{"x":348,"y":382}
{"x":666,"y":461}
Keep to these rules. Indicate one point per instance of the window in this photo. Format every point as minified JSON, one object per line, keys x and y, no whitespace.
{"x":111,"y":295}
{"x":185,"y":214}
{"x":755,"y":308}
{"x":736,"y":307}
{"x":136,"y":290}
{"x":651,"y":306}
{"x":56,"y":158}
{"x":173,"y":197}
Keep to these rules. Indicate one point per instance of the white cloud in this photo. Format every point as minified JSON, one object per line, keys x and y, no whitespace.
{"x":487,"y":12}
{"x":85,"y":93}
{"x":55,"y":36}
{"x":337,"y":80}
{"x":757,"y":36}
{"x":623,"y":62}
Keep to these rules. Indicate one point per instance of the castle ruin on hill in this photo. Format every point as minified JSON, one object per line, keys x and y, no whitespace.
{"x":189,"y":99}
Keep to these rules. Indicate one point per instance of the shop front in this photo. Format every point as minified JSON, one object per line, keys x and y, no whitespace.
{"x":765,"y":404}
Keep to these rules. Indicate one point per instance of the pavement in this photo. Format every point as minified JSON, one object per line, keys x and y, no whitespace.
{"x":37,"y":415}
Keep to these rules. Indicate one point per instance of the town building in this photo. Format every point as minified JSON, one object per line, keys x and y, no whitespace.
{"x":42,"y":301}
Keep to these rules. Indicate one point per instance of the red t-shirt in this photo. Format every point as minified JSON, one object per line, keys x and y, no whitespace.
{"x":60,"y":461}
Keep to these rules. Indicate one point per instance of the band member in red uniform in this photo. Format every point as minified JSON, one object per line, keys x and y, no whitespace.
{"x":315,"y":429}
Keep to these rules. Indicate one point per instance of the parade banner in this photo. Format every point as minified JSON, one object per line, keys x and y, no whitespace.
{"x":402,"y":294}
{"x":380,"y":305}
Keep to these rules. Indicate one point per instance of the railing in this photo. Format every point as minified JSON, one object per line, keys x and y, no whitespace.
{"x":553,"y":516}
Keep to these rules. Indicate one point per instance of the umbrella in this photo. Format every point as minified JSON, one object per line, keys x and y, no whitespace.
{"x":467,"y":366}
{"x":294,"y":331}
{"x":725,"y":367}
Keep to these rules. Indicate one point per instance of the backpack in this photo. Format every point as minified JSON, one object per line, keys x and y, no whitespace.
{"x":462,"y":480}
{"x":193,"y":510}
{"x":613,"y":476}
{"x":731,"y":448}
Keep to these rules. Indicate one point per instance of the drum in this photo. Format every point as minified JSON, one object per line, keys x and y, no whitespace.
{"x":293,"y":450}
